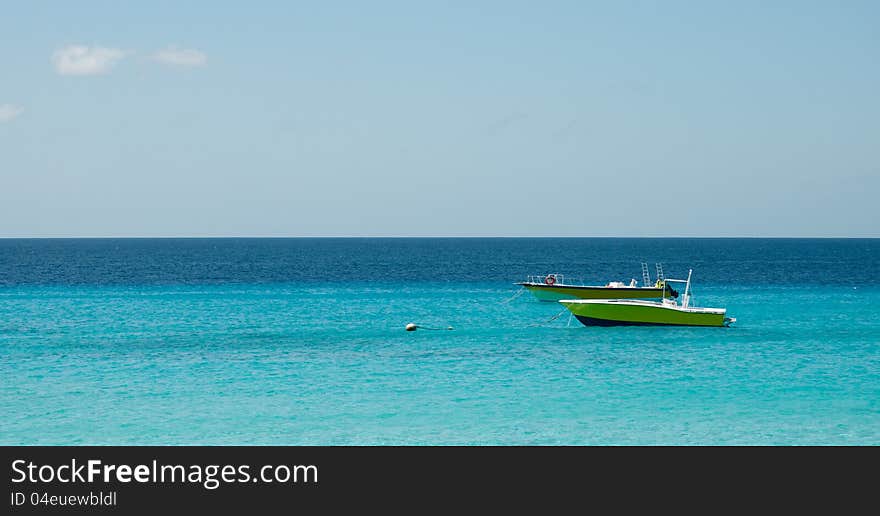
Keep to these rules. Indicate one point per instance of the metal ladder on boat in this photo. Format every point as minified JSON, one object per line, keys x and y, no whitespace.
{"x":646,"y":276}
{"x":660,"y":275}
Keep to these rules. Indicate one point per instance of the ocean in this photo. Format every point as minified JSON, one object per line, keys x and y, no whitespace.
{"x":301,"y":342}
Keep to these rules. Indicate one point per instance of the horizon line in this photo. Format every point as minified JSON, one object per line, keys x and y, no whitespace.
{"x":291,"y":237}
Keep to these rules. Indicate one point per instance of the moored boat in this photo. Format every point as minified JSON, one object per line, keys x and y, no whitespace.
{"x":636,"y":312}
{"x":553,"y":287}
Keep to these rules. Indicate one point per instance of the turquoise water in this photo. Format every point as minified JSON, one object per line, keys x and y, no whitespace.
{"x":302,"y":341}
{"x":328,"y":362}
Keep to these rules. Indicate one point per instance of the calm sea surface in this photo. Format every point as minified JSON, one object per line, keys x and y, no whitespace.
{"x":302,"y":341}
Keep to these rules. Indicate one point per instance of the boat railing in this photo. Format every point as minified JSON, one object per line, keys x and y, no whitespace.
{"x":686,"y":298}
{"x":548,"y":279}
{"x":559,"y":280}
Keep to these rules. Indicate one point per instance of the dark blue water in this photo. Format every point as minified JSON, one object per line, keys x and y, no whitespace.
{"x":302,"y":341}
{"x":453,"y":260}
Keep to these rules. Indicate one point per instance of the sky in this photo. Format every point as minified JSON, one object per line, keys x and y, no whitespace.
{"x":461,"y":118}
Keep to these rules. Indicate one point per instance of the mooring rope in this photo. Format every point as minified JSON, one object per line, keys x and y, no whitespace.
{"x":414,"y":327}
{"x":518,"y":293}
{"x":557,"y":316}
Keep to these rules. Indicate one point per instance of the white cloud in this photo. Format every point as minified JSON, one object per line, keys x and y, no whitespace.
{"x":181,"y":57}
{"x":9,"y":111}
{"x":83,"y":60}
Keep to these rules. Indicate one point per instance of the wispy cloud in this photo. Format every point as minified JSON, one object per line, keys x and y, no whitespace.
{"x":180,"y":57}
{"x":84,"y":60}
{"x":506,"y":122}
{"x":9,"y":111}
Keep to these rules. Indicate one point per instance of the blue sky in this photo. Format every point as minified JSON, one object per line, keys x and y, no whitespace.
{"x":440,"y":119}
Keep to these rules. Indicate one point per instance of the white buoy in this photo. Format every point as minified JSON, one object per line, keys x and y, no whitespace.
{"x":411,"y":327}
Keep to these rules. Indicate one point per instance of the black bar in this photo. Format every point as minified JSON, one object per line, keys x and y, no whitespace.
{"x":450,"y":477}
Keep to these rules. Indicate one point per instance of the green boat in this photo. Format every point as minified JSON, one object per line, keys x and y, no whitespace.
{"x":553,"y":287}
{"x":636,"y":312}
